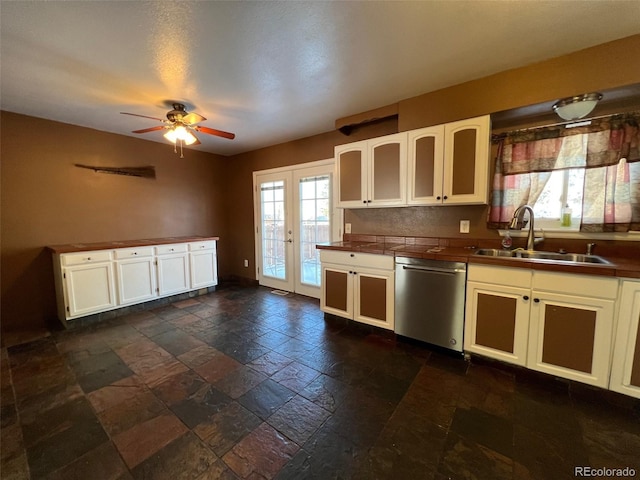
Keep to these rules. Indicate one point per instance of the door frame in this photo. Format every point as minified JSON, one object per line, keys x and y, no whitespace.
{"x":336,"y":220}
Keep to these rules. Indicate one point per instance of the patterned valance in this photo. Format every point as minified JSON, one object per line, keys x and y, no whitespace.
{"x":602,"y":143}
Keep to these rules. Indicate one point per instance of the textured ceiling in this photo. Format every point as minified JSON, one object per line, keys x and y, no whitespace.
{"x":272,"y":71}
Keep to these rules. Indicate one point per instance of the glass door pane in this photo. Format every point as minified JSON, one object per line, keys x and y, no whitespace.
{"x":315,"y":227}
{"x":273,"y":227}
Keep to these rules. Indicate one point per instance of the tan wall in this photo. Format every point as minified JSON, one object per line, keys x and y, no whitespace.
{"x":46,"y":200}
{"x":599,"y":68}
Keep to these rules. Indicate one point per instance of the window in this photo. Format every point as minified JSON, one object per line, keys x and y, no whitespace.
{"x":591,"y":171}
{"x":561,"y":198}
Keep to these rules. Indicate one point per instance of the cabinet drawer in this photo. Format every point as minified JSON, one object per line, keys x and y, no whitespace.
{"x":508,"y":276}
{"x":124,"y":253}
{"x":79,"y":258}
{"x":175,"y":248}
{"x":585,"y":285}
{"x":207,"y":245}
{"x":355,"y":259}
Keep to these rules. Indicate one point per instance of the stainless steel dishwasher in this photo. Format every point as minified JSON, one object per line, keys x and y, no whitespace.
{"x":430,"y":298}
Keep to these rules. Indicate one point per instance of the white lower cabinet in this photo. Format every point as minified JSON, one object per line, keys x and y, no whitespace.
{"x":336,"y":296}
{"x":135,"y":274}
{"x":572,"y":326}
{"x":203,"y":263}
{"x":87,"y":283}
{"x":358,"y":286}
{"x":497,"y":312}
{"x":100,"y":280}
{"x":555,"y":323}
{"x":173,"y":269}
{"x":625,"y":369}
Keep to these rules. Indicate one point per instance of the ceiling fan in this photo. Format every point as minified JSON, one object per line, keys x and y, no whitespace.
{"x":180,"y":126}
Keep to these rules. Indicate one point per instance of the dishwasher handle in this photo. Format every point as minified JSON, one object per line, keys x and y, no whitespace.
{"x":450,"y":271}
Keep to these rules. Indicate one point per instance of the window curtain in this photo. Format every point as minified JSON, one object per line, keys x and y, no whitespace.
{"x":609,"y":150}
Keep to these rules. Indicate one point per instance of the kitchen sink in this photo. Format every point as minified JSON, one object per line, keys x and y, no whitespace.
{"x":494,"y":252}
{"x":540,"y":255}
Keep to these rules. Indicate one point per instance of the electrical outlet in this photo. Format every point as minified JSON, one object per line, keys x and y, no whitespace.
{"x":246,"y":263}
{"x":347,"y":228}
{"x":464,"y":226}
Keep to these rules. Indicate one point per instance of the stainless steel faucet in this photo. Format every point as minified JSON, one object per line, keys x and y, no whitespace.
{"x":590,"y":248}
{"x":517,"y":221}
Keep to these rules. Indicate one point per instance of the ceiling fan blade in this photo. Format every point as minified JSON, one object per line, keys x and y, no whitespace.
{"x":212,"y":131}
{"x":151,"y":129}
{"x":143,"y":116}
{"x":192,"y":118}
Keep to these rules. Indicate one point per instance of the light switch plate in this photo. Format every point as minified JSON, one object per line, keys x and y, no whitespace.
{"x":347,"y":228}
{"x":464,"y":226}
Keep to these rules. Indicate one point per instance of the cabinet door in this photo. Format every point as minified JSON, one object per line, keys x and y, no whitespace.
{"x":387,"y":170}
{"x":89,"y":289}
{"x":203,"y":269}
{"x":352,"y":174}
{"x":425,"y":169}
{"x":136,"y":280}
{"x":625,"y":371}
{"x":497,"y":322}
{"x":336,"y":295}
{"x":570,"y":337}
{"x":466,"y":161}
{"x":373,"y":297}
{"x":173,"y":274}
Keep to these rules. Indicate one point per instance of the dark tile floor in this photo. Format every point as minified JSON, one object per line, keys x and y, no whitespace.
{"x":242,"y":383}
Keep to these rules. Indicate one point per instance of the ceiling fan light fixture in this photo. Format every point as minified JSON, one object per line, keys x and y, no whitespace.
{"x":573,"y":108}
{"x":180,"y":132}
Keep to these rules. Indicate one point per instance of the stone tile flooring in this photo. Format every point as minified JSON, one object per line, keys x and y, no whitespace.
{"x":242,"y":383}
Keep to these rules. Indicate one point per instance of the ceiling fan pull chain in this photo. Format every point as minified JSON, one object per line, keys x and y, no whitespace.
{"x":181,"y":143}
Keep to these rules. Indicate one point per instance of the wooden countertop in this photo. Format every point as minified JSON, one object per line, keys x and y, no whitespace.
{"x":618,"y":267}
{"x":87,"y":247}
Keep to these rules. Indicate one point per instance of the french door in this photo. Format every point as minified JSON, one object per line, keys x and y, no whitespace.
{"x":275,"y":231}
{"x":294,"y":212}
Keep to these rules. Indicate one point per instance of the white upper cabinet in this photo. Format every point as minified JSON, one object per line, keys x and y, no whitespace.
{"x":372,"y":172}
{"x":426,"y":165}
{"x":449,"y":164}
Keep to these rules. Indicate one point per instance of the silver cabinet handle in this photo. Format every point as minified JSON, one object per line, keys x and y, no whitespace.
{"x":435,"y":269}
